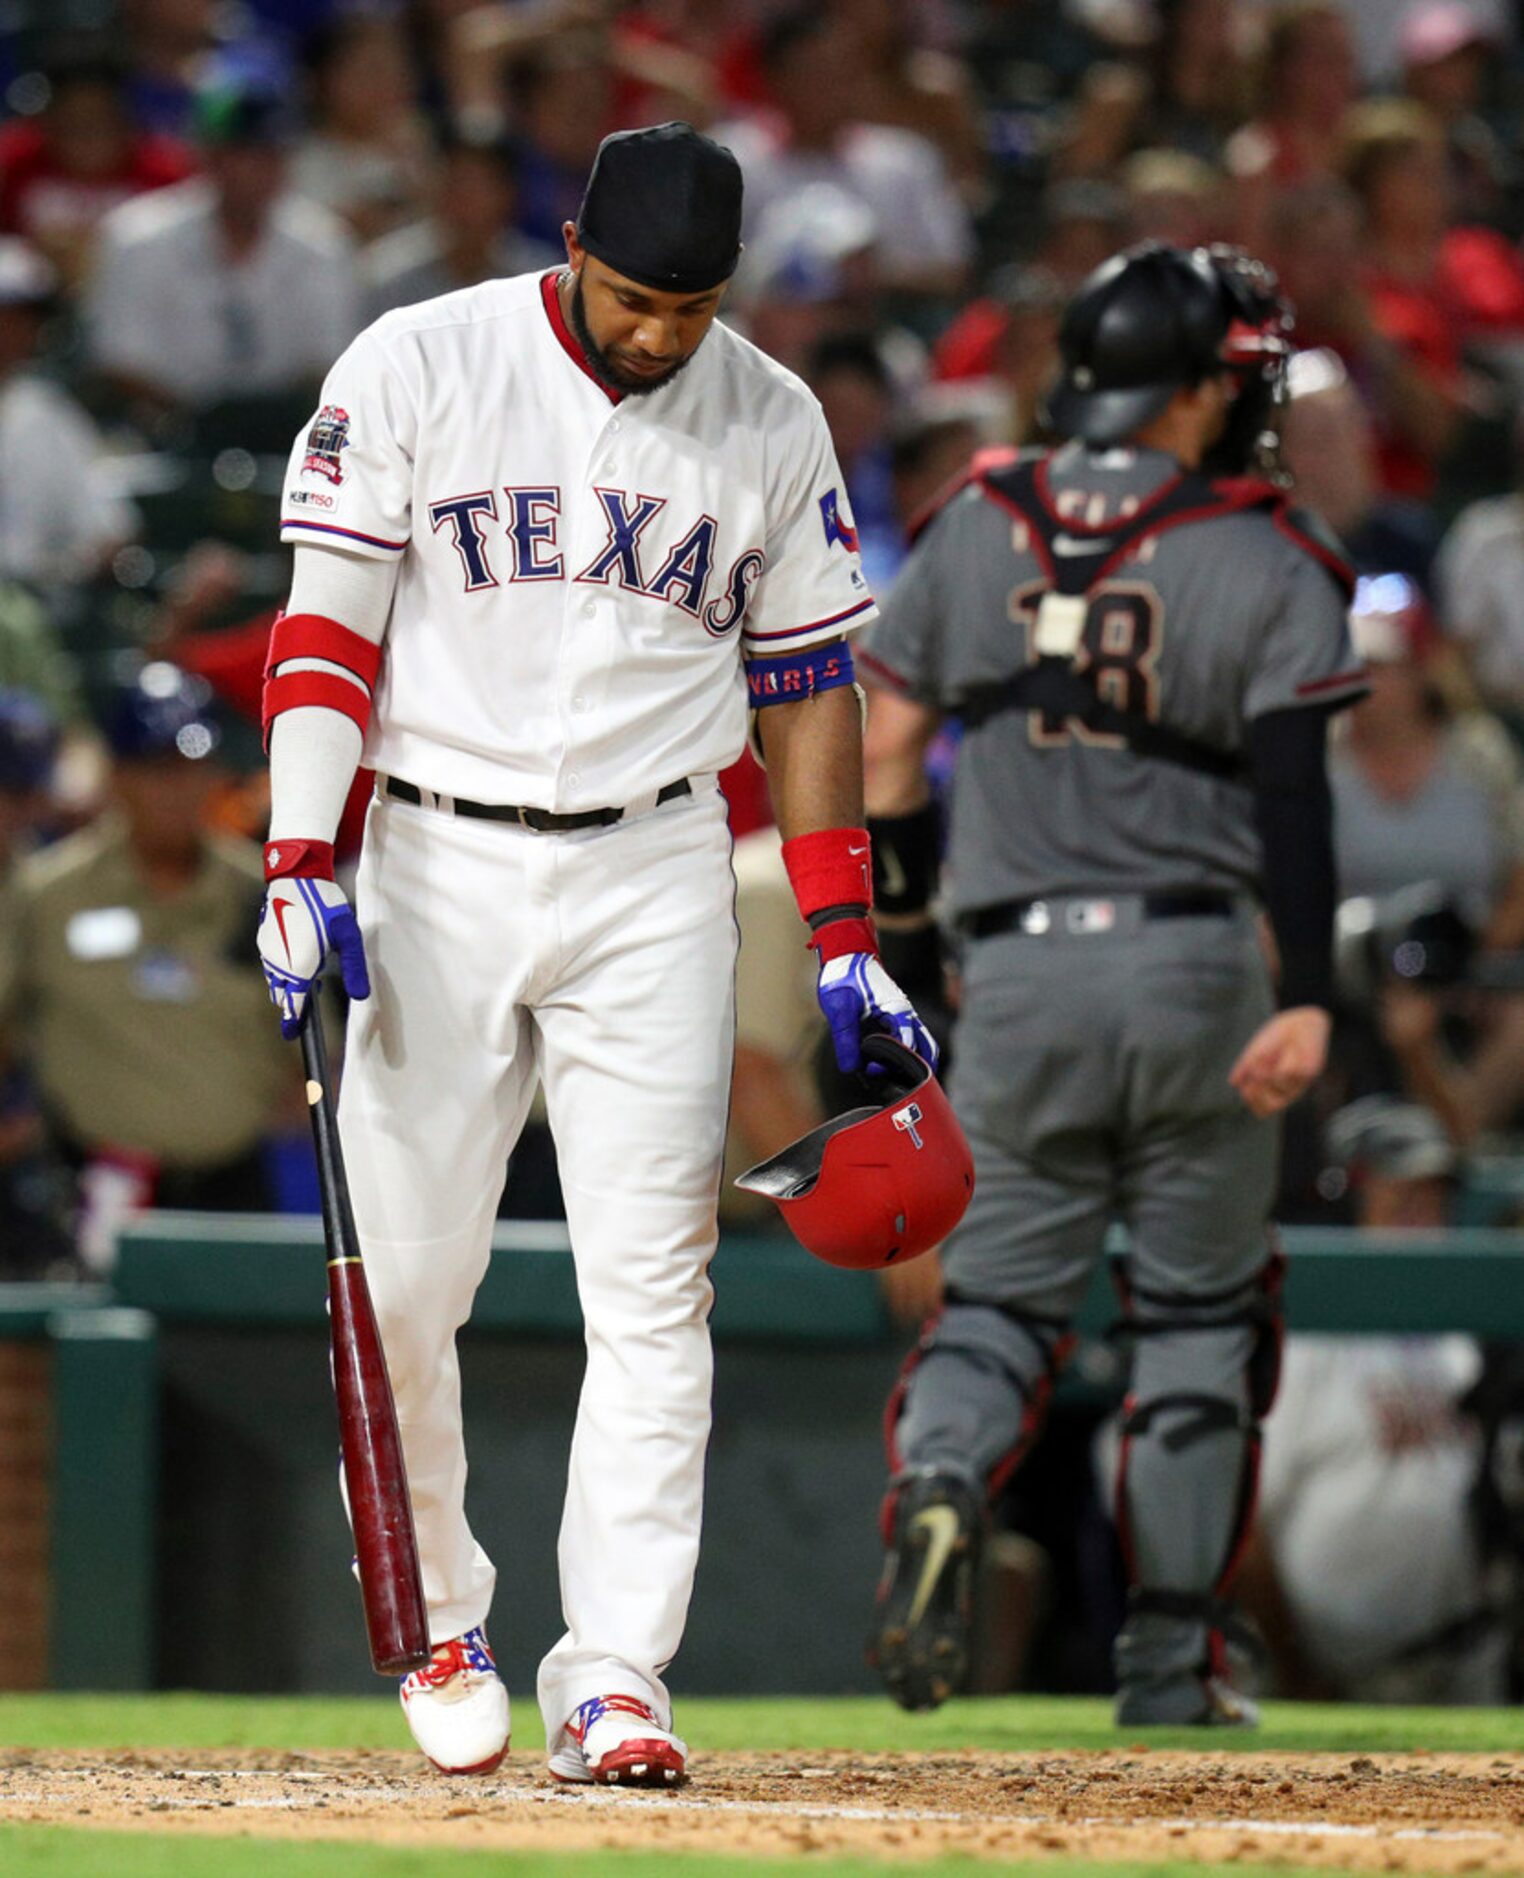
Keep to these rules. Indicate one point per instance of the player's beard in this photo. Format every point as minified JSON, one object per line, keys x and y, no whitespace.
{"x":632,"y":384}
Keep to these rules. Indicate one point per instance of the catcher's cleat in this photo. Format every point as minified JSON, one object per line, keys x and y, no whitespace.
{"x":457,"y":1708}
{"x":926,"y":1595}
{"x":618,"y":1741}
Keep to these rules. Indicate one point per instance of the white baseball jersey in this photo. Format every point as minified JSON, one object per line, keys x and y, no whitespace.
{"x":167,"y":304}
{"x":1367,"y":1466}
{"x":59,"y":511}
{"x":580,"y":572}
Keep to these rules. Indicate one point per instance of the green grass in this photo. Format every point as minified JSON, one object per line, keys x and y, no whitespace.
{"x":61,"y":1852}
{"x":868,"y":1725}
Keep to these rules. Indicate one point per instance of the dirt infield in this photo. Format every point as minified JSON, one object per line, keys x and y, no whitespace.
{"x":1396,"y":1813}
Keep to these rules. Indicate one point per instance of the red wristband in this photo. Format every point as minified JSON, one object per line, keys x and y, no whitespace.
{"x":840,"y":936}
{"x":830,"y":868}
{"x":312,"y":859}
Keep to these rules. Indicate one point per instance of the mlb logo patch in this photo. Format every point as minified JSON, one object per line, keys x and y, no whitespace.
{"x":327,"y":441}
{"x":907,"y":1120}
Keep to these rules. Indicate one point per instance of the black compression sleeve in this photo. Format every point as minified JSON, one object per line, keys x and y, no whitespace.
{"x":1287,"y":754}
{"x":906,"y":854}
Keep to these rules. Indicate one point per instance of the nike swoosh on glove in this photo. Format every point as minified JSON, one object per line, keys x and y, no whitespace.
{"x":857,"y":994}
{"x":303,"y":921}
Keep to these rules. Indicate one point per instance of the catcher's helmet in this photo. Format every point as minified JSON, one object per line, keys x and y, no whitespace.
{"x":886,"y":1181}
{"x":1152,"y":321}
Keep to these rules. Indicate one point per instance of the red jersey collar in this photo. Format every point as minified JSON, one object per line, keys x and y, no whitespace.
{"x":566,"y":338}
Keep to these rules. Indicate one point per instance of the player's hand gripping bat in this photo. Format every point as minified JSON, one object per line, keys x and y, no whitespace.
{"x":375,"y":1477}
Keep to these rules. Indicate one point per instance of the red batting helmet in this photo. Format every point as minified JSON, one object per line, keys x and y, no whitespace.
{"x":885,"y":1181}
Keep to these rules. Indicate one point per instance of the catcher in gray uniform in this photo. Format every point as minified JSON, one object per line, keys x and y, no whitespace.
{"x":1144,"y":643}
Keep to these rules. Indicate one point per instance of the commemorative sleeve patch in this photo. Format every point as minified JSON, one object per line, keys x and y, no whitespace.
{"x":327,"y":441}
{"x":837,"y":528}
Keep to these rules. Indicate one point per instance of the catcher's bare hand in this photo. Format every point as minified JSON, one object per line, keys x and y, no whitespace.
{"x":1282,"y":1060}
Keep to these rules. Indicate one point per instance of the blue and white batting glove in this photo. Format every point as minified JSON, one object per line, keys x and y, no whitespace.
{"x":857,"y":994}
{"x":305,"y":919}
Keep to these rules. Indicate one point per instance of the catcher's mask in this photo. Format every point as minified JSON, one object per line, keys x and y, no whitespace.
{"x":882,"y":1183}
{"x":1257,"y":351}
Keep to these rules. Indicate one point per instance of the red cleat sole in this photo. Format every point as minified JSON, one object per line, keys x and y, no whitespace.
{"x":640,"y":1764}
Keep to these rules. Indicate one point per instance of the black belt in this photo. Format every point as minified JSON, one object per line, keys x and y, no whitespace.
{"x":1026,"y":916}
{"x":542,"y":821}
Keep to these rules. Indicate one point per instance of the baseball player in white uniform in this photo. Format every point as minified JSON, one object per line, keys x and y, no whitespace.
{"x":554,"y":535}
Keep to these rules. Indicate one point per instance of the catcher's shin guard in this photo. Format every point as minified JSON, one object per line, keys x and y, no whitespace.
{"x":1205,"y":1369}
{"x":973,"y":1394}
{"x":967,"y":1407}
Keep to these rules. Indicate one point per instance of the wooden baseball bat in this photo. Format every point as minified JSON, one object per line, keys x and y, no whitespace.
{"x":375,"y":1476}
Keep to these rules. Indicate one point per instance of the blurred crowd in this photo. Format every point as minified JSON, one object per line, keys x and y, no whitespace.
{"x":201,"y":201}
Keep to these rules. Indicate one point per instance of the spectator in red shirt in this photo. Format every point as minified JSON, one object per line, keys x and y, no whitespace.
{"x":1315,"y":244}
{"x":77,"y":159}
{"x":1434,"y":291}
{"x":678,"y":53}
{"x":1395,"y":159}
{"x":1010,"y":338}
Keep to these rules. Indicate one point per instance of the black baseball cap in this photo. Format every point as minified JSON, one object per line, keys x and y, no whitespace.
{"x":663,"y":207}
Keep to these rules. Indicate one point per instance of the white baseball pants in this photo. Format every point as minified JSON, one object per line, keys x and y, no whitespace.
{"x":603,"y":962}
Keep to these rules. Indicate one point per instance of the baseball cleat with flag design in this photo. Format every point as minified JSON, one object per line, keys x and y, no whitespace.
{"x":457,"y":1708}
{"x":926,"y":1596}
{"x":618,"y":1741}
